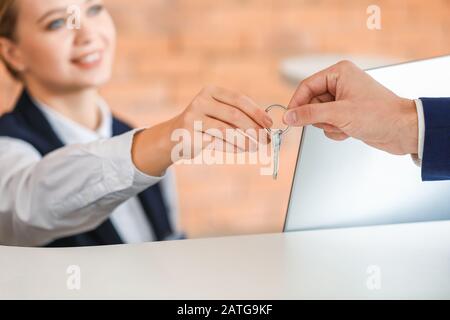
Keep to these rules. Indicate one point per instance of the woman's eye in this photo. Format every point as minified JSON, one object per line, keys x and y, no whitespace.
{"x":94,"y":10}
{"x":56,"y":24}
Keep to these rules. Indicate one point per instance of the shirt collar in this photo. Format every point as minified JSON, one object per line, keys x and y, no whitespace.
{"x":71,"y":132}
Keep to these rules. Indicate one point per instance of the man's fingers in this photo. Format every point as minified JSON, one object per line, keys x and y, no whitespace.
{"x":322,"y":83}
{"x":331,"y":113}
{"x":326,"y":97}
{"x":328,"y":128}
{"x":336,"y":136}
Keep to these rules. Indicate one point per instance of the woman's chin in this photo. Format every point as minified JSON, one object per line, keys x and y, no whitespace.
{"x":92,"y":81}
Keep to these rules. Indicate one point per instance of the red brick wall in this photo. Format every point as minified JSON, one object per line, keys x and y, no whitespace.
{"x":169,"y":49}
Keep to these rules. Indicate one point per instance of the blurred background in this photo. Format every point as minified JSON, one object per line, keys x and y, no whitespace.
{"x":169,"y":49}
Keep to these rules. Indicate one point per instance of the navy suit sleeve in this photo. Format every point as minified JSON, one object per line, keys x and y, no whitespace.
{"x":436,"y":150}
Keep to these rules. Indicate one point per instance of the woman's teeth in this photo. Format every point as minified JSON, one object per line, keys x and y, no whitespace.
{"x":90,"y":58}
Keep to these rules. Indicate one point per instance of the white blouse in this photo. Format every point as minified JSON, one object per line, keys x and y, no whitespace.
{"x":76,"y":188}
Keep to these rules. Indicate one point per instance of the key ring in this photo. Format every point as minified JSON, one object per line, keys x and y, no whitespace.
{"x":270,"y":130}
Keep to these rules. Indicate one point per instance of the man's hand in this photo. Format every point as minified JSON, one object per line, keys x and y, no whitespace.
{"x":345,"y":102}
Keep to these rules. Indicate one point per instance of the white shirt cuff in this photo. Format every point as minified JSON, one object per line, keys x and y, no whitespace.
{"x":141,"y":178}
{"x":421,"y":127}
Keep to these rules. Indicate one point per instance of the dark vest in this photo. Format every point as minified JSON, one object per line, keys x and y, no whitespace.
{"x":26,"y":122}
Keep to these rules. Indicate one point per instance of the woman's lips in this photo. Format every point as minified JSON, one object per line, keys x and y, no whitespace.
{"x":89,"y":61}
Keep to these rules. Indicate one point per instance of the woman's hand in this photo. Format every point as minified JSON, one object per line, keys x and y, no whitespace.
{"x":212,"y":112}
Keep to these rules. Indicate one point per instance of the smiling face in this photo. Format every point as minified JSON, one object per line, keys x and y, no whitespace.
{"x":51,"y":51}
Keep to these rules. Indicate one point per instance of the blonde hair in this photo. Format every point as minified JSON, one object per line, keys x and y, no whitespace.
{"x":8,"y":22}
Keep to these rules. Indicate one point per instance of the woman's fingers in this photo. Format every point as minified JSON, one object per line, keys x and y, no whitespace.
{"x":230,"y":121}
{"x":242,"y":103}
{"x":236,"y":119}
{"x":235,"y":140}
{"x":218,"y":144}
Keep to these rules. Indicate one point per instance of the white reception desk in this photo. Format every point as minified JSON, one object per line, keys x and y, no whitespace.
{"x":383,"y":262}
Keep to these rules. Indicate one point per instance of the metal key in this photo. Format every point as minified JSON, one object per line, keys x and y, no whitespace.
{"x":276,"y":135}
{"x":276,"y":144}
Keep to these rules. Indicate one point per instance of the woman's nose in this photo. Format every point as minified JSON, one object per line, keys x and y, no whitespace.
{"x":85,"y":33}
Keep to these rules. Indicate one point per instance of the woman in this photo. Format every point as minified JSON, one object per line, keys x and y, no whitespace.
{"x":70,"y":173}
